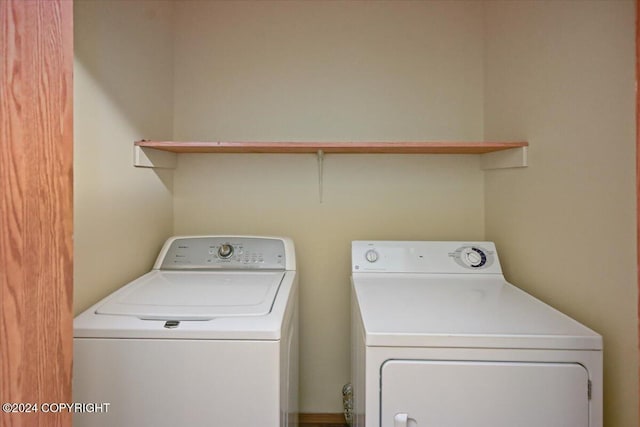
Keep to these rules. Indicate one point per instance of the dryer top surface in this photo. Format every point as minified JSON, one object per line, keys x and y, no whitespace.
{"x":461,"y":311}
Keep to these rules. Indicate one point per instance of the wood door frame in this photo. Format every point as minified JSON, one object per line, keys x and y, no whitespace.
{"x":638,"y":175}
{"x":36,"y":210}
{"x":638,"y":179}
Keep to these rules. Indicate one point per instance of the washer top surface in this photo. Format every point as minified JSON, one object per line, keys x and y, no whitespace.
{"x":449,"y":303}
{"x":203,"y":287}
{"x":196,"y":295}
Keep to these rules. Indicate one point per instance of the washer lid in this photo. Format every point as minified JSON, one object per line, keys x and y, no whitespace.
{"x":195,"y":295}
{"x":440,"y":310}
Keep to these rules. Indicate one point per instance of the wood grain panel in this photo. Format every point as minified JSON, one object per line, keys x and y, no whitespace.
{"x":36,"y":149}
{"x":638,"y":173}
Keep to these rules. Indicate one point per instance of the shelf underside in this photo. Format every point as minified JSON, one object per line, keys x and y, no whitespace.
{"x":333,"y":147}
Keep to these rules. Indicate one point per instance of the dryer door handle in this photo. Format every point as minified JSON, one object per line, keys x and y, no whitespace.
{"x":401,"y":420}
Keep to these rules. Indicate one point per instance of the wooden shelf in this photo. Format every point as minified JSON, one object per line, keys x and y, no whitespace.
{"x":494,"y":155}
{"x":333,"y":147}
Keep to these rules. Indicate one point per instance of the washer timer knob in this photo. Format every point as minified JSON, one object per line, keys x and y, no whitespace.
{"x":371,"y":255}
{"x":225,"y":251}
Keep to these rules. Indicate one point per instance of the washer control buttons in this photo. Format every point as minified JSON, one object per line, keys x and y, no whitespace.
{"x":371,"y":255}
{"x":225,"y":251}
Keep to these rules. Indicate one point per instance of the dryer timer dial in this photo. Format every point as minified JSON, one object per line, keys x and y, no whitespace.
{"x":473,"y":257}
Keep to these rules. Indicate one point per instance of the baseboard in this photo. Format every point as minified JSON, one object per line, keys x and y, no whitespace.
{"x":322,"y":420}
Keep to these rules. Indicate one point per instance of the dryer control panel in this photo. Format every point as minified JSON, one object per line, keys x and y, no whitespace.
{"x":424,"y":257}
{"x":226,"y":252}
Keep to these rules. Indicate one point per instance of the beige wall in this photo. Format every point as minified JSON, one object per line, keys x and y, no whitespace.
{"x":259,"y":70}
{"x":328,"y":71}
{"x":122,"y":92}
{"x":561,"y":74}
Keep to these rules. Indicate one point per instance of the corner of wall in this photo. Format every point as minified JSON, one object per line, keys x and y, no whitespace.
{"x":121,"y":92}
{"x":561,"y":75}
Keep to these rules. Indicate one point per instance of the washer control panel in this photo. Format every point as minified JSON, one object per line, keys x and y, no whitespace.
{"x":371,"y":255}
{"x":424,"y":257}
{"x":220,"y":252}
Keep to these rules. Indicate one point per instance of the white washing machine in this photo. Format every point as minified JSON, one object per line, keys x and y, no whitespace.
{"x":440,"y":339}
{"x":209,"y":338}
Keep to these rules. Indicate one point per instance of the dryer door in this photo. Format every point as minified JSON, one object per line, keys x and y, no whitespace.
{"x":483,"y":394}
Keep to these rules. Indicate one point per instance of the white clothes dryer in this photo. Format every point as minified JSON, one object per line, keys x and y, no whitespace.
{"x":439,"y":338}
{"x":209,"y":337}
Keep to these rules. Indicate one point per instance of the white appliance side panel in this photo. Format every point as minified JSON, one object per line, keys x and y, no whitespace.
{"x":168,"y":383}
{"x":358,"y":364}
{"x":483,"y":394}
{"x":290,"y":373}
